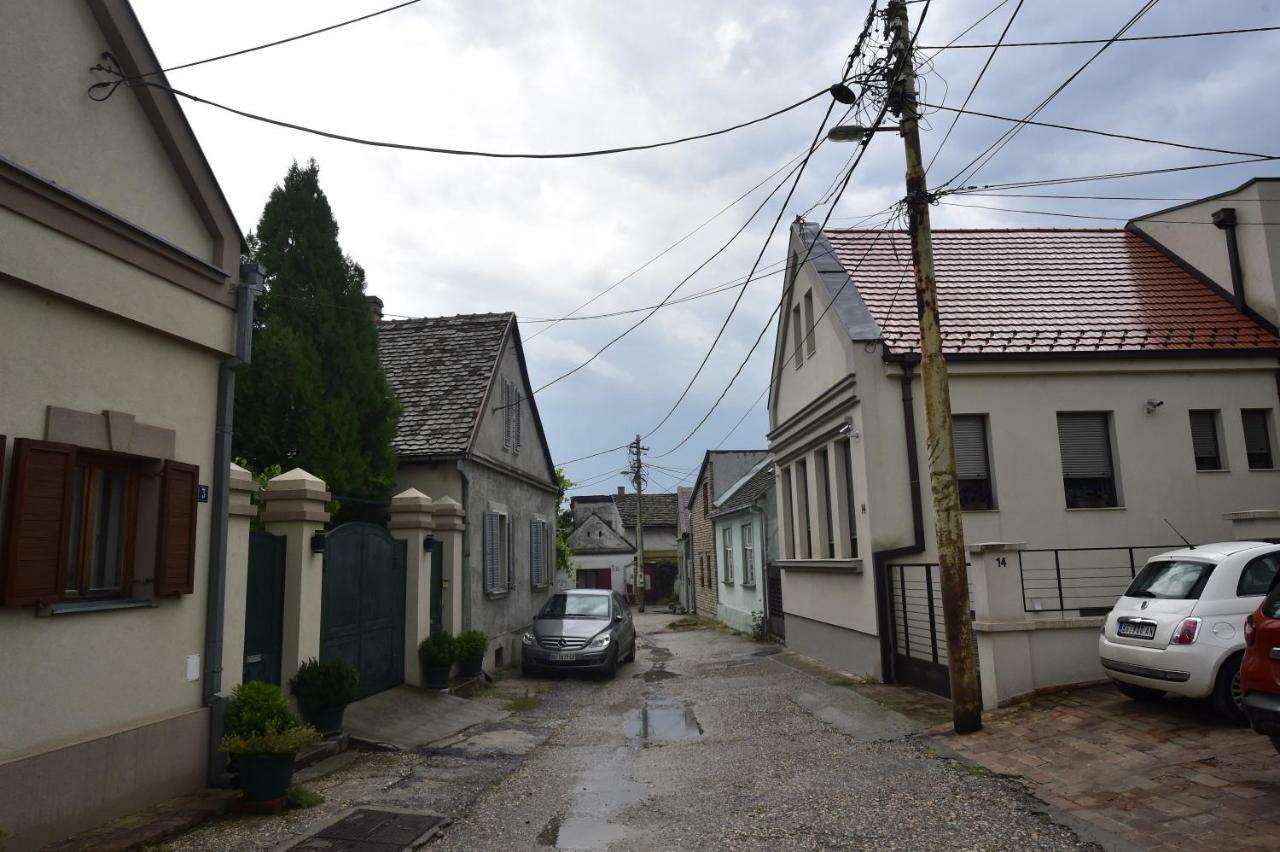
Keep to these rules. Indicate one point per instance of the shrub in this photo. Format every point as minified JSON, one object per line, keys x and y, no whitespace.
{"x":471,"y":646}
{"x":273,"y":741}
{"x":325,"y":683}
{"x":439,"y":649}
{"x":257,"y":708}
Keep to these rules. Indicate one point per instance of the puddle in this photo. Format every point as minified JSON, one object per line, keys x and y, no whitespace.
{"x":656,"y":675}
{"x":662,"y":720}
{"x":600,"y":795}
{"x":767,"y":652}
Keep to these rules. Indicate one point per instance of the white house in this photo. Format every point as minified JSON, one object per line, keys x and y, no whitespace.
{"x":1103,"y":382}
{"x":605,"y":545}
{"x":745,"y":520}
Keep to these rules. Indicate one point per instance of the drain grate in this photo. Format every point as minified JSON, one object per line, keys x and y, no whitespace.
{"x":370,"y":830}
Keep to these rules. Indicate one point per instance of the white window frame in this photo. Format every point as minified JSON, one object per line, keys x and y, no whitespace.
{"x":727,"y":550}
{"x":811,"y":339}
{"x":748,"y":554}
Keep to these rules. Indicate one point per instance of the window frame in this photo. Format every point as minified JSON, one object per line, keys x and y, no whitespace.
{"x":1266,"y":434}
{"x":503,"y":545}
{"x":1110,"y":492}
{"x":747,"y":535}
{"x":844,"y":457}
{"x":798,"y":348}
{"x":1213,"y":416}
{"x":84,"y":504}
{"x":727,"y":551}
{"x":826,"y":524}
{"x":989,"y":501}
{"x":811,"y":339}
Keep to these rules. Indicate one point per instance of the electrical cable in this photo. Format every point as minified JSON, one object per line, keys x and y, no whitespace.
{"x":1083,"y":216}
{"x":1027,"y":184}
{"x":1106,"y":41}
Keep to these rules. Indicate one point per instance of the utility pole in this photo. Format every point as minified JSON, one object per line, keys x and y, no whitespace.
{"x":637,"y":478}
{"x":966,"y":701}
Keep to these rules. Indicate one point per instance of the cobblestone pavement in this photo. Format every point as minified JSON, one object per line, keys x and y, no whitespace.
{"x":1169,"y":775}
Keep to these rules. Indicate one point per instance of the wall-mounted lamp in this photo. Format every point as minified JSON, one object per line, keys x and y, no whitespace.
{"x":427,"y":541}
{"x":1150,"y":406}
{"x":317,"y":541}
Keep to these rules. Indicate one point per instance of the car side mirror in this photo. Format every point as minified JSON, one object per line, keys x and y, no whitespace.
{"x":617,"y":616}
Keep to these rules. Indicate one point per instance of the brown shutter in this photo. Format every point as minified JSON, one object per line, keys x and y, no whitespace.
{"x":39,"y":513}
{"x":176,"y":561}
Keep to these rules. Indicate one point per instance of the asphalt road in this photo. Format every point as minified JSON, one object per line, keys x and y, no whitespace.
{"x":709,"y":741}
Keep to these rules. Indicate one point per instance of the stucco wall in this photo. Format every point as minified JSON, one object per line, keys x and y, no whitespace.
{"x":529,"y":457}
{"x":738,"y":600}
{"x":799,"y":384}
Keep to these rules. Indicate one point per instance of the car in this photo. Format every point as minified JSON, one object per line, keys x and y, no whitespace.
{"x":586,"y":630}
{"x":1179,"y":627}
{"x":1260,"y":672}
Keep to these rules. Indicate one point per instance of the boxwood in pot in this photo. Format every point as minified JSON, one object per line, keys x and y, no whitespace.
{"x":263,"y":736}
{"x":471,"y":647}
{"x":324,"y":688}
{"x":436,"y":654}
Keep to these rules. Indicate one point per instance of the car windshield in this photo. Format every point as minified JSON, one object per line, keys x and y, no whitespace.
{"x":576,"y":606}
{"x":1175,"y":579}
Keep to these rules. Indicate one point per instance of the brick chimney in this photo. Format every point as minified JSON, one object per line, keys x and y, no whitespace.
{"x":622,"y":491}
{"x":375,"y":307}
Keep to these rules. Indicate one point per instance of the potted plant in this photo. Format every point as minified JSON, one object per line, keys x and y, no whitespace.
{"x":436,"y":653}
{"x":263,"y":736}
{"x":323,"y":689}
{"x":471,"y":647}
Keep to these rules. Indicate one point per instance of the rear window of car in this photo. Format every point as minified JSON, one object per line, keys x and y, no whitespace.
{"x":1174,"y":579}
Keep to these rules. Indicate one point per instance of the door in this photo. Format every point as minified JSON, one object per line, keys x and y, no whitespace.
{"x":918,"y":635}
{"x":362,"y":604}
{"x":264,"y":608}
{"x":595,"y":578}
{"x":773,"y":601}
{"x":437,"y":585}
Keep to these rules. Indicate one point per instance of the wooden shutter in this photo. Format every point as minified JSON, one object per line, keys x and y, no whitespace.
{"x":39,"y":516}
{"x":506,"y":414}
{"x":517,"y":412}
{"x":970,"y":432}
{"x":176,"y":559}
{"x":490,"y":547}
{"x":1085,"y":445}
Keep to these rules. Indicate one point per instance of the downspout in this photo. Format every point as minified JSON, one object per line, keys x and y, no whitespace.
{"x":1225,"y":220}
{"x":880,"y":559}
{"x":762,"y":583}
{"x":466,"y":545}
{"x":213,"y":697}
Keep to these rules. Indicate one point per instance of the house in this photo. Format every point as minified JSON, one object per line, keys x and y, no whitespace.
{"x":719,"y":470}
{"x":123,"y":317}
{"x":1105,"y":383}
{"x":745,"y":521}
{"x":685,"y":581}
{"x":604,"y":542}
{"x":470,"y":431}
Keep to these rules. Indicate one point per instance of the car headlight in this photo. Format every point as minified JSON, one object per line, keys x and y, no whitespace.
{"x":601,"y":641}
{"x":529,"y":638}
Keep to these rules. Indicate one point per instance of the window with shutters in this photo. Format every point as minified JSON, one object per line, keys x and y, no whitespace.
{"x":799,"y":337}
{"x":496,"y":553}
{"x":1088,"y":471}
{"x":726,"y":541}
{"x":748,"y":555}
{"x":1257,"y":438}
{"x":512,"y":416}
{"x":539,"y":553}
{"x":811,"y":340}
{"x":100,"y":535}
{"x":1204,"y":440}
{"x":973,"y":461}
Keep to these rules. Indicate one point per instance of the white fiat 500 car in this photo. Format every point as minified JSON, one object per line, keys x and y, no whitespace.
{"x":1179,"y":628}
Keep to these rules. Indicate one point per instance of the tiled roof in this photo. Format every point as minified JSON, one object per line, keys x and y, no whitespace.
{"x":439,"y":368}
{"x":1044,"y":291}
{"x":659,"y":510}
{"x":748,"y":492}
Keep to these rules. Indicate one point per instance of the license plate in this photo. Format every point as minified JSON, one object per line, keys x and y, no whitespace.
{"x":560,"y":657}
{"x":1136,"y":631}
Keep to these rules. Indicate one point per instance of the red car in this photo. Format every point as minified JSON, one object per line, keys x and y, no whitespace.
{"x":1260,"y":671}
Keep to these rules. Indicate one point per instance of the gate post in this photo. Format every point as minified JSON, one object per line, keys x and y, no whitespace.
{"x":1004,"y":651}
{"x":294,"y":507}
{"x":240,"y":512}
{"x":450,"y":525}
{"x":412,"y":523}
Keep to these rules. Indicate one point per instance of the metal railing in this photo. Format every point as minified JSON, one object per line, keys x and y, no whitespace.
{"x":1085,"y":579}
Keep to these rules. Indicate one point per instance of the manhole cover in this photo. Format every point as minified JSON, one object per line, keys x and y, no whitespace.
{"x":369,"y":830}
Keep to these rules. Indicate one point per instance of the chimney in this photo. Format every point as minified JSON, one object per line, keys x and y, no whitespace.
{"x":375,"y":307}
{"x":1225,"y":220}
{"x":622,"y":491}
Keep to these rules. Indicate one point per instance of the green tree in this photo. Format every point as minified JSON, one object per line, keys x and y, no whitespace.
{"x":314,"y":395}
{"x":564,"y":523}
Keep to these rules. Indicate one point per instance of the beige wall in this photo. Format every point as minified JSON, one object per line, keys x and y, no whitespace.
{"x":831,"y":362}
{"x":436,"y":480}
{"x":105,"y":152}
{"x":529,"y":458}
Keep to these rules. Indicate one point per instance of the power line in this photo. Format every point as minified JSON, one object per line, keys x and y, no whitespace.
{"x":110,"y":88}
{"x":593,"y":455}
{"x":1106,"y":176}
{"x":1083,"y":216}
{"x":1105,"y":40}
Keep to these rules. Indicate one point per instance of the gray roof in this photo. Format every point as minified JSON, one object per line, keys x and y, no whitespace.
{"x":440,"y":369}
{"x":659,"y":509}
{"x":747,"y":493}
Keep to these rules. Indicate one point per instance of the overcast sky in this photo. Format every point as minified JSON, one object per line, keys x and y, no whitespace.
{"x":445,"y":235}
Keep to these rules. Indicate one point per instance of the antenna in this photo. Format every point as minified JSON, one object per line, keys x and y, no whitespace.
{"x":1189,"y":545}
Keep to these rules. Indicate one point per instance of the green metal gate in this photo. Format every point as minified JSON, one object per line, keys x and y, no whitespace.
{"x":362,"y":604}
{"x":264,"y":607}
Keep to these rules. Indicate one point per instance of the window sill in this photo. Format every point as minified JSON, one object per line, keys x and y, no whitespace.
{"x":726,"y":582}
{"x":1214,"y":470}
{"x":980,"y":511}
{"x":1264,"y":469}
{"x":838,"y":566}
{"x":1096,"y":509}
{"x":748,"y":585}
{"x":493,"y":596}
{"x":96,"y":605}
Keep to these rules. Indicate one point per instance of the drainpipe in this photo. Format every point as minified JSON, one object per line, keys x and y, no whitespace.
{"x":213,"y":697}
{"x":466,"y":545}
{"x":880,"y":559}
{"x":762,"y":583}
{"x":1225,"y":221}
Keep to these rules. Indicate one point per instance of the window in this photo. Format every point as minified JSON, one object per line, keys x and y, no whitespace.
{"x":811,"y":342}
{"x":104,"y":499}
{"x":802,"y":523}
{"x":497,"y":553}
{"x":1204,"y":440}
{"x":540,"y":553}
{"x":1088,"y":476}
{"x":1173,"y":580}
{"x":823,"y":462}
{"x":788,"y":519}
{"x":973,"y":462}
{"x":726,"y":537}
{"x":1258,"y":575}
{"x":706,"y":500}
{"x":1257,"y":437}
{"x":748,"y":555}
{"x":513,"y":416}
{"x":844,"y":456}
{"x":795,"y":330}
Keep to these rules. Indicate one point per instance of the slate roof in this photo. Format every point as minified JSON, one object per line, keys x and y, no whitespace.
{"x":440,"y":368}
{"x":659,"y":510}
{"x":748,"y":492}
{"x":1042,"y":292}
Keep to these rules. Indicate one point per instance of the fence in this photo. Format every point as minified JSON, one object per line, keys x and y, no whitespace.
{"x":1085,"y":579}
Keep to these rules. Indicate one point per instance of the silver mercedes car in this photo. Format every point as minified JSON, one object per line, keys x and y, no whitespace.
{"x":580,"y":629}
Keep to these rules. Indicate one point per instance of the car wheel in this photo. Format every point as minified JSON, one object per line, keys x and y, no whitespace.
{"x":1140,"y":693}
{"x":611,"y":670}
{"x":631,"y":655}
{"x":1275,"y":741}
{"x":527,"y":670}
{"x":1227,"y":695}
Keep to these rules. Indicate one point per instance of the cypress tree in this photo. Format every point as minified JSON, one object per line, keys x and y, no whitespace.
{"x":314,"y":395}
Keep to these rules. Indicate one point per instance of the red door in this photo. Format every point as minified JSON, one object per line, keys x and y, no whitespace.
{"x":595,"y":578}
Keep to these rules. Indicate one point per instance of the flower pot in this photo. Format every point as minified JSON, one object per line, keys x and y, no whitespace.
{"x":265,"y":777}
{"x":435,"y":677}
{"x":471,"y":668}
{"x":326,"y":720}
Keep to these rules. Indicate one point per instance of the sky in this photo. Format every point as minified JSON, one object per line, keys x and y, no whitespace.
{"x":440,"y":235}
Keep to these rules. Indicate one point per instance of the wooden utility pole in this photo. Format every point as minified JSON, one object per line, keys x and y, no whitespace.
{"x":966,"y":700}
{"x":637,"y":474}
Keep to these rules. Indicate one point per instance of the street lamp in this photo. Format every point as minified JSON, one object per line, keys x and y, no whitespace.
{"x":853,"y":132}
